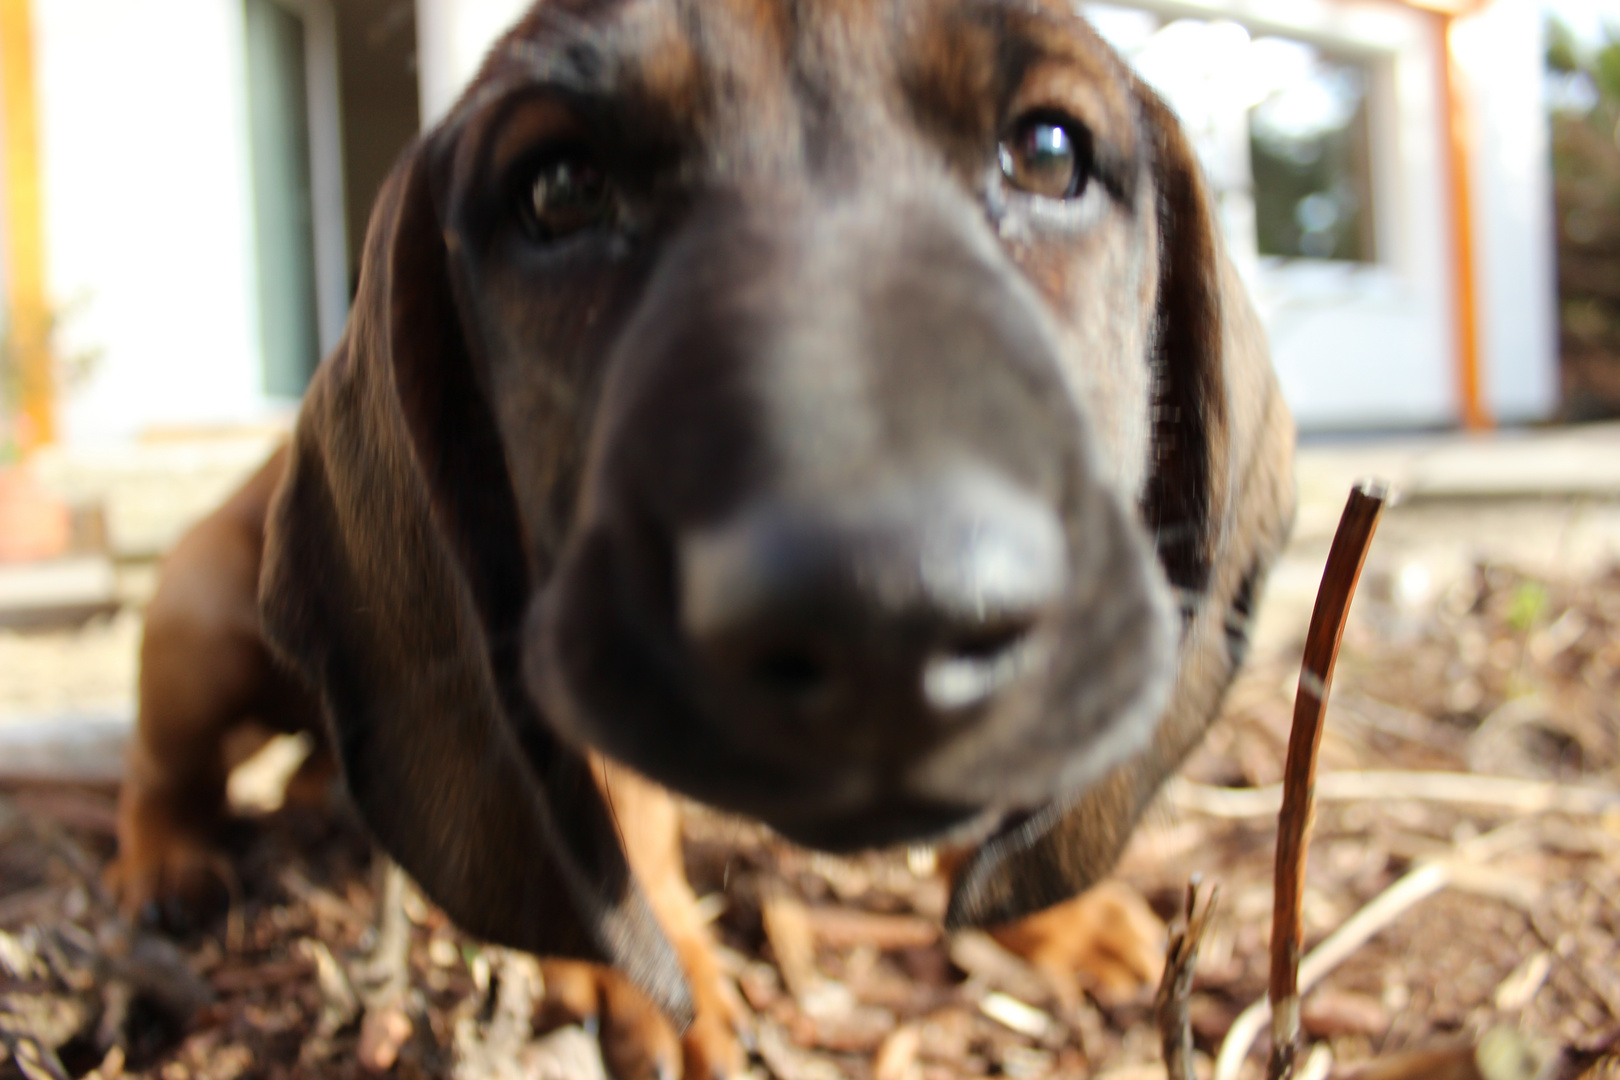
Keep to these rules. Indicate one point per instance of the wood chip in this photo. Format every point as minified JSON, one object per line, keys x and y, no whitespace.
{"x":339,"y":1002}
{"x":896,"y":1059}
{"x":787,"y":927}
{"x":1523,"y":982}
{"x":111,"y":1067}
{"x":1327,"y":1013}
{"x":382,"y":1033}
{"x":860,"y":1030}
{"x":71,"y":808}
{"x":983,"y":959}
{"x":845,"y":928}
{"x":1501,"y":1054}
{"x":787,"y":1061}
{"x":760,"y":985}
{"x":1015,"y":1014}
{"x":569,"y":1053}
{"x":946,"y":1035}
{"x":247,"y":977}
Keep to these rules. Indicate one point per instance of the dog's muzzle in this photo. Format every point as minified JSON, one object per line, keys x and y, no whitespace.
{"x":844,"y":564}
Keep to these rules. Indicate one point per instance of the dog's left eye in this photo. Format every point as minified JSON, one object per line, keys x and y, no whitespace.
{"x":564,"y":193}
{"x":1047,"y":156}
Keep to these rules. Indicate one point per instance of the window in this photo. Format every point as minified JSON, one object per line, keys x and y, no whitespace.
{"x":1308,"y":147}
{"x":283,"y":202}
{"x":1281,"y":127}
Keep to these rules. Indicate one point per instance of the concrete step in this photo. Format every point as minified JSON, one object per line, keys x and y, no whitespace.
{"x":73,"y":747}
{"x":57,"y":592}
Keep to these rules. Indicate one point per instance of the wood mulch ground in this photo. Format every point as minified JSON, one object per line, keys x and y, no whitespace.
{"x":1504,"y":675}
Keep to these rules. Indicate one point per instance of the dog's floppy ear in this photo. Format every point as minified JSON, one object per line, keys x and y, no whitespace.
{"x":394,"y":580}
{"x":1219,"y":503}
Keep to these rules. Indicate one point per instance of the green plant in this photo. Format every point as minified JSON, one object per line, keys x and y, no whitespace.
{"x":69,"y":369}
{"x":1586,"y":177}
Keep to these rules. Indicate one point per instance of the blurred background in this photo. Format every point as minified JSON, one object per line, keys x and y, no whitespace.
{"x":1423,"y":194}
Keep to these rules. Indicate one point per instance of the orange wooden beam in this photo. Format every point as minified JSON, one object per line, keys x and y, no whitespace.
{"x":1471,"y":406}
{"x":30,"y":319}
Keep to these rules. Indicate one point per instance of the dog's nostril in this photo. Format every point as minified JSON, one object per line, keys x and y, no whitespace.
{"x":985,"y":643}
{"x":789,"y":673}
{"x":880,"y":613}
{"x":972,"y":667}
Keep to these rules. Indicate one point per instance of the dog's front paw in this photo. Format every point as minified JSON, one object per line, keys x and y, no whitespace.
{"x":637,"y":1042}
{"x":1106,"y":940}
{"x":166,"y":875}
{"x":710,"y":1049}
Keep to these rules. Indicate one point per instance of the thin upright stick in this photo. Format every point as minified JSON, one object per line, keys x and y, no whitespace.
{"x":1339,"y":578}
{"x":1172,"y":1005}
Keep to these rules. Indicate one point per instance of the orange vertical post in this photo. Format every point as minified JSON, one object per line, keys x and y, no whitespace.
{"x":1472,"y":410}
{"x":30,"y":328}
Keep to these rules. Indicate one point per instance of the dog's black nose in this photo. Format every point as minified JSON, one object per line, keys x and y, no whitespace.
{"x":876,"y":619}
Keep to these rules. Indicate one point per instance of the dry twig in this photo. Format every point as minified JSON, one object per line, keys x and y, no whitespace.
{"x":1172,"y":1005}
{"x":1343,"y":570}
{"x":385,"y":976}
{"x":1450,"y":788}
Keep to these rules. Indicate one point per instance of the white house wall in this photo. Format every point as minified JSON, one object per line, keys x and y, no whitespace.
{"x":451,"y":39}
{"x":148,"y":215}
{"x":1376,"y":345}
{"x":1500,"y":53}
{"x":1365,"y":345}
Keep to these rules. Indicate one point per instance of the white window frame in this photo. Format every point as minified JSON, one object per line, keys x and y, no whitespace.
{"x":1364,"y":344}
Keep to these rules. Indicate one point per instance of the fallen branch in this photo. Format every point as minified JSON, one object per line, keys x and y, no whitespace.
{"x":983,"y":958}
{"x":1501,"y":1054}
{"x":1459,"y":789}
{"x":1339,"y":578}
{"x":844,"y":928}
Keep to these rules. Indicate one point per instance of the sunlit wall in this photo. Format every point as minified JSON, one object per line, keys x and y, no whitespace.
{"x":1322,"y":125}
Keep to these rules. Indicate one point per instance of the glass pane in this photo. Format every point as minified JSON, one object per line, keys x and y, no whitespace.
{"x":1308,"y":148}
{"x":1281,"y":127}
{"x":278,"y":121}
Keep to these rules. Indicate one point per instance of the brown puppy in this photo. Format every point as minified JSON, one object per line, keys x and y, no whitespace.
{"x":824,"y":409}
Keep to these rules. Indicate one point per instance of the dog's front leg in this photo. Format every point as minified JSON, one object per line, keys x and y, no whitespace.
{"x":632,"y":1030}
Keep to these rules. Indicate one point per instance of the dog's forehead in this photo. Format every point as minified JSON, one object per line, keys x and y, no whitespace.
{"x":854,"y":58}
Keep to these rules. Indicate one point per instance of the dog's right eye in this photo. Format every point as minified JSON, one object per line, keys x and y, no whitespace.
{"x":1047,"y":155}
{"x":563,"y":193}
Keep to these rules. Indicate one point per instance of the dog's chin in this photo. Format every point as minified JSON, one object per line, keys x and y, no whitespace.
{"x":892,"y":823}
{"x":830,"y":806}
{"x":623,"y":687}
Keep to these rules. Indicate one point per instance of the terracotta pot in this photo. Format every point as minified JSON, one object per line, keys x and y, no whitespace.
{"x":34,"y":524}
